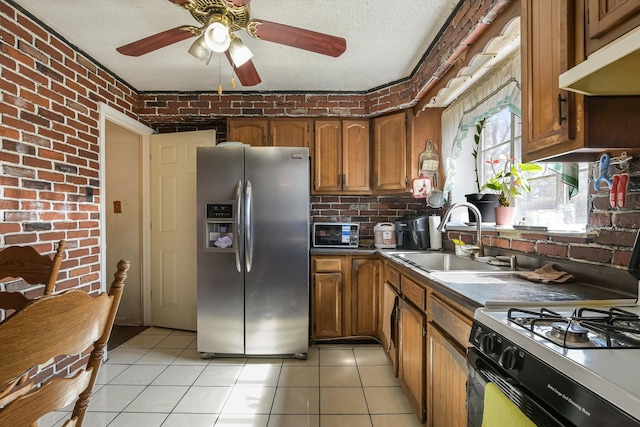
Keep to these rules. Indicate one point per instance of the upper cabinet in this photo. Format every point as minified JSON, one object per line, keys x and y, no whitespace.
{"x":390,"y":154}
{"x":341,"y":157}
{"x":556,"y":124}
{"x":607,"y":20}
{"x":248,"y":131}
{"x":275,"y":132}
{"x":290,"y":132}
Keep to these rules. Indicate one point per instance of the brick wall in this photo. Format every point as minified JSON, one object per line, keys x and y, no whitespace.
{"x":49,"y":158}
{"x":366,"y":210}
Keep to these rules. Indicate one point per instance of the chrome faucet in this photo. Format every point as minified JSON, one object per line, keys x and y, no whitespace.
{"x":479,"y":248}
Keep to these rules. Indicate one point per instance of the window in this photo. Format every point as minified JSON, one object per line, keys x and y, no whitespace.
{"x":548,"y":203}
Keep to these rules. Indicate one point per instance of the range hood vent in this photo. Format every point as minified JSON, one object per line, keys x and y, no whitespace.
{"x":611,"y":70}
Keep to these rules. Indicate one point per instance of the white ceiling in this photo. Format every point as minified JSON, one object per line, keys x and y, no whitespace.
{"x":385,"y":41}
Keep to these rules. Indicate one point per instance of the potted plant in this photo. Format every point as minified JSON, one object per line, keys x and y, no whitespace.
{"x":485,"y":202}
{"x":509,"y":180}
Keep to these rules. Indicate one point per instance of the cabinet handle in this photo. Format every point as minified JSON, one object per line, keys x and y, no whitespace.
{"x":561,"y":118}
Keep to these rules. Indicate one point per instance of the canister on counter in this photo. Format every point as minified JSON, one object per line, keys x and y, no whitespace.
{"x":384,"y":235}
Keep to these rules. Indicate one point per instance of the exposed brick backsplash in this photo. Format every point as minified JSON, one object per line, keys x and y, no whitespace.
{"x":367,"y":210}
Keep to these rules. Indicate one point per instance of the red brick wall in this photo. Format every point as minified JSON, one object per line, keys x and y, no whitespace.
{"x":50,"y":144}
{"x":50,"y":96}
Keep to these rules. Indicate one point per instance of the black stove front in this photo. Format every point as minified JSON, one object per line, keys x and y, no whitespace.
{"x":545,"y":395}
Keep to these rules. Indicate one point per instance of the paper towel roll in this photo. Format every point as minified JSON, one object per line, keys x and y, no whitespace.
{"x":435,"y":237}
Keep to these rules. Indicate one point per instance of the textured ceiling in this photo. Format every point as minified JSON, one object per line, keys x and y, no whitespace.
{"x":385,"y":41}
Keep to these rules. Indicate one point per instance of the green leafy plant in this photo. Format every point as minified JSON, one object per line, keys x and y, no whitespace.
{"x":509,"y":179}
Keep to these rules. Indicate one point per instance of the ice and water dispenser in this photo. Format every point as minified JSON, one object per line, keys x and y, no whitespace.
{"x":220,"y":226}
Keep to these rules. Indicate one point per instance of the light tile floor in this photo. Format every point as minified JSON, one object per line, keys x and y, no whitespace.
{"x":158,"y":379}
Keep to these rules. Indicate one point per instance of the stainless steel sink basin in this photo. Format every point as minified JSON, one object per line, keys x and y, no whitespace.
{"x":438,"y":261}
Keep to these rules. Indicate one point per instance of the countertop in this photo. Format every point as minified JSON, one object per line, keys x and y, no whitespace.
{"x":487,"y":288}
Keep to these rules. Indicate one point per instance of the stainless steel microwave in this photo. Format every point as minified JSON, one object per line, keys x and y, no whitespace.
{"x":335,"y":235}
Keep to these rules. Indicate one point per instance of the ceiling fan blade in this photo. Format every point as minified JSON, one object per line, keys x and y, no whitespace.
{"x":247,"y":73}
{"x":179,"y":2}
{"x":238,"y":3}
{"x":156,"y":41}
{"x":324,"y":44}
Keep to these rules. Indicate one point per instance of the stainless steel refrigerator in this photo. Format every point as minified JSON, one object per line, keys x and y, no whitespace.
{"x":253,"y":251}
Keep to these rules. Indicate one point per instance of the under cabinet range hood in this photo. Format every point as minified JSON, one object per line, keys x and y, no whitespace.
{"x":611,"y":70}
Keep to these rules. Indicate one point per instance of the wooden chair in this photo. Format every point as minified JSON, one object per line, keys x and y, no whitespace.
{"x":69,"y":323}
{"x":24,"y":262}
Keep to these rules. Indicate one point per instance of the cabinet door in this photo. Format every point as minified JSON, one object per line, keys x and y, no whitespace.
{"x":389,"y":324}
{"x":390,"y":154}
{"x":364,"y":297}
{"x":327,"y":157}
{"x":412,"y":356}
{"x":447,"y":382}
{"x":356,"y":160}
{"x":248,"y":131}
{"x":548,"y":113}
{"x":290,"y":133}
{"x":608,"y":20}
{"x":327,"y":305}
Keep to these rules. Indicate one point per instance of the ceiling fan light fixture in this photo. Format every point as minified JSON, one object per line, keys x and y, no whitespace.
{"x":239,"y":52}
{"x":217,"y":36}
{"x":200,"y":50}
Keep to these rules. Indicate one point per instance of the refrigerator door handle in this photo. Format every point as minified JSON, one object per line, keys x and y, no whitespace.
{"x":248,"y":223}
{"x":236,"y":236}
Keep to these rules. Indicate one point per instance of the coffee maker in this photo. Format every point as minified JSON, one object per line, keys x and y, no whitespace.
{"x":412,"y":232}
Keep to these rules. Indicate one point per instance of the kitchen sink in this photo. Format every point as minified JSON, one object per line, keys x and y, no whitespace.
{"x":438,"y":261}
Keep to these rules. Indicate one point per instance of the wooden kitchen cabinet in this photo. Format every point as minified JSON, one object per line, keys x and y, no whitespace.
{"x":412,"y":330}
{"x":448,"y":337}
{"x":558,"y":125}
{"x":607,"y":20}
{"x":274,"y":132}
{"x":290,"y":132}
{"x":327,"y":307}
{"x":390,"y":154}
{"x":248,"y":131}
{"x":341,"y":157}
{"x":388,"y":328}
{"x":345,"y":296}
{"x":550,"y":117}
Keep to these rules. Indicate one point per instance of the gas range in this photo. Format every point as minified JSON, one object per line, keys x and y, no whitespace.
{"x":583,"y":362}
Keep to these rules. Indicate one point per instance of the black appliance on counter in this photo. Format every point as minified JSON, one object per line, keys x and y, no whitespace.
{"x":412,"y":232}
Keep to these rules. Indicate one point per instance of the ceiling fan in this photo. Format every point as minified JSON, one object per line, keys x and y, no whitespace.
{"x":220,"y":20}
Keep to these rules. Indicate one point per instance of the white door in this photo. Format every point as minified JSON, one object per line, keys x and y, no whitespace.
{"x":173,"y":227}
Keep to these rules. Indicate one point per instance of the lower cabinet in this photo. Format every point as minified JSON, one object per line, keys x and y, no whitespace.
{"x":447,"y":381}
{"x":345,"y":296}
{"x":448,"y":337}
{"x":412,"y":329}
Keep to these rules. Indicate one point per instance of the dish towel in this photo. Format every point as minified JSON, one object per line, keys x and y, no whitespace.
{"x":499,"y":411}
{"x":546,"y":274}
{"x":568,"y":175}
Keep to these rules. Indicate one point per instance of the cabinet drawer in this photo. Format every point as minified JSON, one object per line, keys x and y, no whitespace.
{"x":450,"y":321}
{"x":414,"y":292}
{"x":327,"y":265}
{"x":392,"y":276}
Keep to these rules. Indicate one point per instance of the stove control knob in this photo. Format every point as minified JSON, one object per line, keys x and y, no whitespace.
{"x":488,"y":343}
{"x":510,"y":358}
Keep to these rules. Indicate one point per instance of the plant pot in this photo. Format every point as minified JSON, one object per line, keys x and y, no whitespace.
{"x":505,"y":215}
{"x":485,"y":204}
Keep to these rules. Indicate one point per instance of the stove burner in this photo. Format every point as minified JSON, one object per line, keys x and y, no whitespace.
{"x":569,"y":332}
{"x":585,"y":328}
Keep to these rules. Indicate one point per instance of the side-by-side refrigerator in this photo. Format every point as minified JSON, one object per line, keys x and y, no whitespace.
{"x":253,"y":251}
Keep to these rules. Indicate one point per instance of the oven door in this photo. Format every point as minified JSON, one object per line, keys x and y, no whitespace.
{"x":482,"y":371}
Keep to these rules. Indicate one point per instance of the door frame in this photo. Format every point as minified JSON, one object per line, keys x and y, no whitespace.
{"x":108,"y":113}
